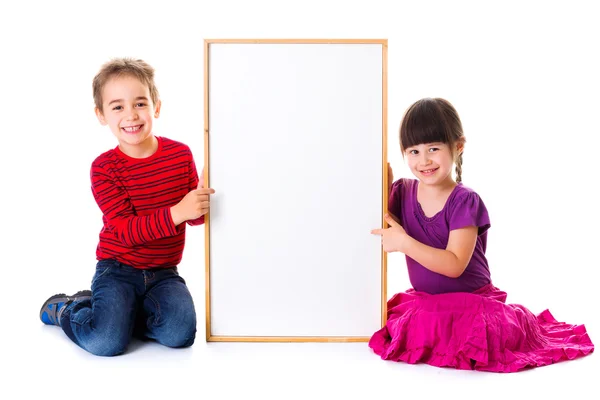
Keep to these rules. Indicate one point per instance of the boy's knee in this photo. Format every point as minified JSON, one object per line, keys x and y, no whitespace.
{"x":106,"y":347}
{"x":181,"y":341}
{"x":105,"y":339}
{"x":179,"y":332}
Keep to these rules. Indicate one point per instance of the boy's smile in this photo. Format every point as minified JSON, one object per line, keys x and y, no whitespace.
{"x":132,"y":129}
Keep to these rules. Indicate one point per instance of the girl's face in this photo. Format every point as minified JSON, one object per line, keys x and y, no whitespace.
{"x":431,"y":163}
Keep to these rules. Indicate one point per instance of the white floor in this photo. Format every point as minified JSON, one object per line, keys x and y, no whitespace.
{"x":40,"y":362}
{"x":43,"y":363}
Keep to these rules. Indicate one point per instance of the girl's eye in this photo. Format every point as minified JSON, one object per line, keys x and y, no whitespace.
{"x":432,"y":149}
{"x":414,"y":152}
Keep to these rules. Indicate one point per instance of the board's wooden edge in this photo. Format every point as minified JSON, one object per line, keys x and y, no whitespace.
{"x":209,"y":336}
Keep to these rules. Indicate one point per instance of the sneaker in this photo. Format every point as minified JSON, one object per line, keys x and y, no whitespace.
{"x":55,"y":305}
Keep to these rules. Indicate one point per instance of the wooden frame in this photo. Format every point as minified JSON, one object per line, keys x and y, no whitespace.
{"x":209,"y":336}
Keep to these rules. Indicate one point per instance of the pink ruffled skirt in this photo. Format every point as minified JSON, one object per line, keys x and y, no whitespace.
{"x":475,"y":331}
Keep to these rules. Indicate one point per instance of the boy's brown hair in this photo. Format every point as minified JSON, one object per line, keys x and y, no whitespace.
{"x":124,"y":66}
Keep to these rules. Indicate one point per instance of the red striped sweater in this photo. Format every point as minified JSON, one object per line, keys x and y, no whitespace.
{"x":135,"y":196}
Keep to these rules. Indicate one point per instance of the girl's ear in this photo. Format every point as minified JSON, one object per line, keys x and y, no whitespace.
{"x":460,"y":146}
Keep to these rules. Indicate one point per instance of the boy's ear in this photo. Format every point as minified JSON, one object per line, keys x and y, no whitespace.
{"x":100,"y":116}
{"x":157,"y":108}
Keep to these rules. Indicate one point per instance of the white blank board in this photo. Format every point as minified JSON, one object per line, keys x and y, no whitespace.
{"x":295,"y":154}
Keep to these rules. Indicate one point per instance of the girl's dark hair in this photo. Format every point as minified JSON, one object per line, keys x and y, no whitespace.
{"x":433,"y":120}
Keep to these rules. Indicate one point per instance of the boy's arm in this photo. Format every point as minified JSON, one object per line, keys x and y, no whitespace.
{"x":121,"y":219}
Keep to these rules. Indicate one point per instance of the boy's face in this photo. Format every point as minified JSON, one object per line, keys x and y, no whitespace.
{"x":128,"y":111}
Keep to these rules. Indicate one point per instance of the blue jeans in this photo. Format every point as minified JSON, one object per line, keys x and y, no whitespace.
{"x":128,"y":302}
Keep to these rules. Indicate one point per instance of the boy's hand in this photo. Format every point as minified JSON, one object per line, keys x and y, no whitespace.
{"x":201,"y":181}
{"x":194,"y":205}
{"x":393,"y":238}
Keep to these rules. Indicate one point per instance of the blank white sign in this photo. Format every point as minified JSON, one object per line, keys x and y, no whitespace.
{"x":295,"y":151}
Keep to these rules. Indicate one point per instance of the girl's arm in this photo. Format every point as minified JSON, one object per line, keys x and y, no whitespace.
{"x":451,"y":261}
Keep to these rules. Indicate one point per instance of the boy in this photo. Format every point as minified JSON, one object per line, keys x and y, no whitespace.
{"x":148,"y":190}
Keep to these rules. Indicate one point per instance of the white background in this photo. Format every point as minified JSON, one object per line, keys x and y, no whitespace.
{"x":523,"y":76}
{"x":291,"y":247}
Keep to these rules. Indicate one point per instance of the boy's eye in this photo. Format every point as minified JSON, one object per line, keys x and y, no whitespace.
{"x":117,"y":108}
{"x":141,"y":105}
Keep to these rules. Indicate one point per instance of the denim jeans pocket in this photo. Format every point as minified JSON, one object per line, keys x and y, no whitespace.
{"x":101,"y":270}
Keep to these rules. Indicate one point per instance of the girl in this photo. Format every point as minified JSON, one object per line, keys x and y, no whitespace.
{"x":454,"y":316}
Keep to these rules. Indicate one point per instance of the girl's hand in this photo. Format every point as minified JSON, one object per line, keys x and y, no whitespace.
{"x":393,"y":238}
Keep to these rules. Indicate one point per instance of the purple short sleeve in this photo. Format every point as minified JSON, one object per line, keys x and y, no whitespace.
{"x":394,"y":201}
{"x":469,"y":210}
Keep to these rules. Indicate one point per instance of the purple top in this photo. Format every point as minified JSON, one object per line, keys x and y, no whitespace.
{"x":463,"y":208}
